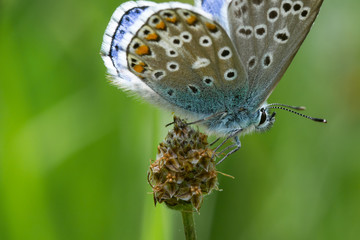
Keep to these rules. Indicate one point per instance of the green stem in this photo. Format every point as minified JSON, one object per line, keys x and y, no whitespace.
{"x":189,"y":224}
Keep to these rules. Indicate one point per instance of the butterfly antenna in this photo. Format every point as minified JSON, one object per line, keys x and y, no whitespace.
{"x":284,"y":105}
{"x":302,"y":115}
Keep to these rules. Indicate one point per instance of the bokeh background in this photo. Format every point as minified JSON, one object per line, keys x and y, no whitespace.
{"x":74,"y":150}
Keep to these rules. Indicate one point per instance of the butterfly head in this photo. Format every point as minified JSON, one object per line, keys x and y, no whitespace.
{"x":265,"y":120}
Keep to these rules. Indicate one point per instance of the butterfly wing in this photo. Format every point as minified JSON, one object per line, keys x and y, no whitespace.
{"x":267,"y":35}
{"x":182,"y":55}
{"x":113,"y":49}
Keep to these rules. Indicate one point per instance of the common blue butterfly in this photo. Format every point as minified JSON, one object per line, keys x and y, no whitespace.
{"x":216,"y":63}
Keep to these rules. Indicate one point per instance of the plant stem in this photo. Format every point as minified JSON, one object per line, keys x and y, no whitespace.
{"x":189,"y":224}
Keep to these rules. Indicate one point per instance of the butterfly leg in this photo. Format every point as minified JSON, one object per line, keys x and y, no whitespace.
{"x":237,"y":146}
{"x":201,"y":120}
{"x":220,"y":145}
{"x":233,"y":134}
{"x":209,"y":117}
{"x":215,"y":141}
{"x":228,"y":147}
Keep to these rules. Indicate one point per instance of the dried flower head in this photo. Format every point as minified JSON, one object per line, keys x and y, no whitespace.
{"x":184,"y":171}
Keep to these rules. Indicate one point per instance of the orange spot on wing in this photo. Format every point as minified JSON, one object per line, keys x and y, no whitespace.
{"x":211,"y":27}
{"x":191,"y":20}
{"x":142,"y":50}
{"x":140,"y":67}
{"x":152,"y":36}
{"x":172,"y":20}
{"x":160,"y":25}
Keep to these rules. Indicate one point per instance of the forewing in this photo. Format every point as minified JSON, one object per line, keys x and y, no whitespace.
{"x":114,"y":45}
{"x":187,"y":58}
{"x":267,"y":35}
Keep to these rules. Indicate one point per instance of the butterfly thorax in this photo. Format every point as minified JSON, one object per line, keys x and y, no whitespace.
{"x":225,"y":124}
{"x":241,"y":119}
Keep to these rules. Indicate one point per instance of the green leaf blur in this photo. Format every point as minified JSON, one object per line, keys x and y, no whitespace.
{"x":74,"y":150}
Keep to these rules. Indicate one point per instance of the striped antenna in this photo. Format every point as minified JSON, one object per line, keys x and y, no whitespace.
{"x":292,"y":111}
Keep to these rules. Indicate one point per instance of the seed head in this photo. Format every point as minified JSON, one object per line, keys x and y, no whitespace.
{"x":184,"y":170}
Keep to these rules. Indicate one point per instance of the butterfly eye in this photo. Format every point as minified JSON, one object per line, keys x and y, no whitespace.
{"x":263,"y":116}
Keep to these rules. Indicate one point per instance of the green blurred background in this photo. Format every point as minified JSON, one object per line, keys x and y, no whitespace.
{"x":74,"y":150}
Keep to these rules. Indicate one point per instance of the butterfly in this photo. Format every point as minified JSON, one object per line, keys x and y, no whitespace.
{"x":217,"y":62}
